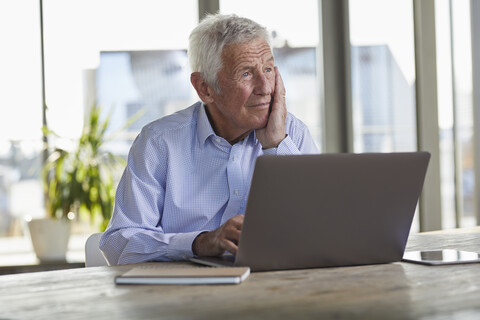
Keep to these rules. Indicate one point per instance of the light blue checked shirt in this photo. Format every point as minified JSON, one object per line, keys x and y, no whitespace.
{"x":181,"y":179}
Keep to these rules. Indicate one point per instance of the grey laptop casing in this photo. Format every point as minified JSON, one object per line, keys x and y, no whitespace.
{"x":328,"y":210}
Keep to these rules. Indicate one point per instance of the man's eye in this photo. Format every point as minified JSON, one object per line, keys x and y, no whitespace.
{"x":268,"y":70}
{"x":246,"y":74}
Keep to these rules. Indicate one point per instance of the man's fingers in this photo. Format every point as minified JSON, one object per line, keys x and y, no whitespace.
{"x":229,"y":241}
{"x":230,"y":234}
{"x":216,"y":242}
{"x":236,"y":222}
{"x":280,"y":91}
{"x":274,"y":132}
{"x":231,"y":246}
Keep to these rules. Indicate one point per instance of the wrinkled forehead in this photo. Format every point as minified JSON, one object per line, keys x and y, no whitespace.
{"x":254,"y":51}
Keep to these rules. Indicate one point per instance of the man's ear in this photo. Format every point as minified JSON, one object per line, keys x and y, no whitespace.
{"x":204,"y":91}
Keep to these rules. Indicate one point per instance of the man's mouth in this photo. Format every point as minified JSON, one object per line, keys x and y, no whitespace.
{"x":260,"y":105}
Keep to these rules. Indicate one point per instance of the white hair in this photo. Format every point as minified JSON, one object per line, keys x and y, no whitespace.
{"x":212,"y":35}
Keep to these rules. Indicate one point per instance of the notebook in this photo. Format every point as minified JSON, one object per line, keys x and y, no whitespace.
{"x":193,"y":275}
{"x":328,"y":210}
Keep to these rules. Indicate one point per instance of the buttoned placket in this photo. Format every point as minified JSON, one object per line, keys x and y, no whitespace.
{"x":235,"y":182}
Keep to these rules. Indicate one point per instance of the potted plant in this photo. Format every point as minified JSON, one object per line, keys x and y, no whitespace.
{"x":79,"y":184}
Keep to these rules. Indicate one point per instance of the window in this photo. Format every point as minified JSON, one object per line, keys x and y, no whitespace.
{"x":455,"y":100}
{"x":118,"y":52}
{"x":145,"y":83}
{"x":20,"y":114}
{"x":383,"y":75}
{"x":77,"y":35}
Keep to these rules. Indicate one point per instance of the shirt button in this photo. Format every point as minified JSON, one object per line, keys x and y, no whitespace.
{"x":234,"y":158}
{"x":218,"y":140}
{"x":236,"y":192}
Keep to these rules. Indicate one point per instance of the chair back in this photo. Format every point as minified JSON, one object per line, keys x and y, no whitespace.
{"x":93,"y":256}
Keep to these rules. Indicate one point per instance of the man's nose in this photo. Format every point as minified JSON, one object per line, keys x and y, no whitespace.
{"x":262,"y":85}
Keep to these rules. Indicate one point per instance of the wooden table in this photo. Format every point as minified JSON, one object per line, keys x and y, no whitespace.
{"x":389,"y":291}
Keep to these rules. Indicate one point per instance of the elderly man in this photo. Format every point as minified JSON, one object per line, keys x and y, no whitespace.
{"x":185,"y":187}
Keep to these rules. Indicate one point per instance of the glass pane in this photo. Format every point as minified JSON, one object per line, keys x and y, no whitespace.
{"x":463,"y":110}
{"x":462,"y":75}
{"x":101,"y":51}
{"x":454,"y":65}
{"x":152,"y":83}
{"x":383,"y":75}
{"x":20,"y":115}
{"x":294,"y":28}
{"x":445,"y":111}
{"x":79,"y":32}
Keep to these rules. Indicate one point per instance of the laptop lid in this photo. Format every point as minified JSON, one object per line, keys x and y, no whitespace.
{"x":326,"y":210}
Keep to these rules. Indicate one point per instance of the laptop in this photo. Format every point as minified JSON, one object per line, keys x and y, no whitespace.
{"x":328,"y":210}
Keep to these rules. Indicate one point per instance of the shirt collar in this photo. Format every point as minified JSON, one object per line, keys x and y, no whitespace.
{"x":204,"y":128}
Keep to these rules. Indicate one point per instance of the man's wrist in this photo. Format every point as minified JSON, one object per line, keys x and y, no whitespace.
{"x":197,"y":243}
{"x":274,"y":145}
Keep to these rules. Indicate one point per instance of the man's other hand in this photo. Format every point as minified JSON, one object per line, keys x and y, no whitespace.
{"x":216,"y":242}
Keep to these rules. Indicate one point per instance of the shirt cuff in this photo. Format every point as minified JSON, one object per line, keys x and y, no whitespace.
{"x":287,"y":146}
{"x":180,"y":246}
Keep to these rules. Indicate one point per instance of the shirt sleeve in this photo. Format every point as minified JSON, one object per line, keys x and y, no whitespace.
{"x":134,"y":233}
{"x":297,"y":141}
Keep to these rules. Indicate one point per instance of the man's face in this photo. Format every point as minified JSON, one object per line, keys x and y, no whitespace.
{"x":247,"y":83}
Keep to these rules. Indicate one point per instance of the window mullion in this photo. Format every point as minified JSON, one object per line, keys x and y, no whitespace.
{"x":475,"y":29}
{"x":427,"y":111}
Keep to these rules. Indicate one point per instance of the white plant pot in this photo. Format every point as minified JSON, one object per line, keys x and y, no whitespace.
{"x":50,"y":239}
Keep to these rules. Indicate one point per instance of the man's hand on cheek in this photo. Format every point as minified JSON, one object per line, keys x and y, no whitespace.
{"x":274,"y":132}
